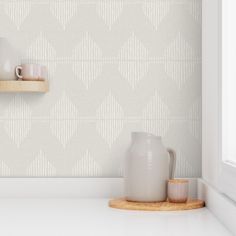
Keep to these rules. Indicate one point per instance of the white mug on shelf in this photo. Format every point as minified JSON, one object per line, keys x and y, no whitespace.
{"x":31,"y":72}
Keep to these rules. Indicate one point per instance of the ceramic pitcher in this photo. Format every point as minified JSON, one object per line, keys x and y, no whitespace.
{"x":149,"y":165}
{"x":9,"y":59}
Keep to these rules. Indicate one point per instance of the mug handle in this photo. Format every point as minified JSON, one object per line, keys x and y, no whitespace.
{"x":172,"y":154}
{"x":18,"y":70}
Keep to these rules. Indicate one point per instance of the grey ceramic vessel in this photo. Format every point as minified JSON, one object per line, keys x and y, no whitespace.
{"x":148,"y":167}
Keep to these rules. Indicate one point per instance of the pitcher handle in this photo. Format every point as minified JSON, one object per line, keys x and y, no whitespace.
{"x":172,"y":154}
{"x":18,"y":70}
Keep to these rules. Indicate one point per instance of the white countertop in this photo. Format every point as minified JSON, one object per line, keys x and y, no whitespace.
{"x":69,"y":217}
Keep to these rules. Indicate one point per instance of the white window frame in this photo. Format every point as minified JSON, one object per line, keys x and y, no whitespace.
{"x":219,"y":173}
{"x":227,"y":175}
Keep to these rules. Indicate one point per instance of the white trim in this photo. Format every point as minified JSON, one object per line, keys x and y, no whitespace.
{"x":220,"y":205}
{"x":227,"y":180}
{"x":227,"y":175}
{"x":69,"y":187}
{"x":215,"y":170}
{"x":60,"y":187}
{"x":210,"y":91}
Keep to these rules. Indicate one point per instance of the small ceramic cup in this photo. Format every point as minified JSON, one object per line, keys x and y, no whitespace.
{"x":31,"y":72}
{"x":178,"y":190}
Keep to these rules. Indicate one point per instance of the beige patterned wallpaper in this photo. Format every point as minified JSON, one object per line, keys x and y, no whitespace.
{"x":115,"y":66}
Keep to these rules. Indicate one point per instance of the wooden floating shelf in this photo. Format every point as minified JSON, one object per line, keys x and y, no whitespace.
{"x":23,"y":86}
{"x":156,"y":206}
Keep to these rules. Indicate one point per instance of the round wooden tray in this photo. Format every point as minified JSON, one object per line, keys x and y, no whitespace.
{"x":156,"y":206}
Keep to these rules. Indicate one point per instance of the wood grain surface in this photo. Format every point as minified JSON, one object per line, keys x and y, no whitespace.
{"x":23,"y":86}
{"x":156,"y":206}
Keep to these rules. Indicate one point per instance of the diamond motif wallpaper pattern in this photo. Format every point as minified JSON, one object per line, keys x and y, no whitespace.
{"x":114,"y":66}
{"x":4,"y":170}
{"x":133,"y":63}
{"x":86,"y":167}
{"x":110,"y":10}
{"x":179,"y":60}
{"x":17,"y":120}
{"x":64,"y":10}
{"x":64,"y":119}
{"x":110,"y":119}
{"x":17,"y":11}
{"x":156,"y":11}
{"x":40,"y":166}
{"x":88,"y":61}
{"x":156,"y":116}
